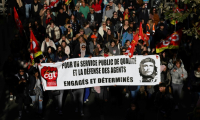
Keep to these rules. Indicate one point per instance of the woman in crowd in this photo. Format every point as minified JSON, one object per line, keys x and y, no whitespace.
{"x":154,"y":16}
{"x":108,"y":13}
{"x":87,"y":29}
{"x":110,"y":25}
{"x":107,"y":38}
{"x":103,"y":29}
{"x":179,"y":74}
{"x":66,"y":10}
{"x":74,"y":24}
{"x":114,"y":19}
{"x":65,"y":48}
{"x":127,"y":36}
{"x":123,"y":29}
{"x":48,"y":17}
{"x":77,"y":49}
{"x":51,"y":53}
{"x":36,"y":93}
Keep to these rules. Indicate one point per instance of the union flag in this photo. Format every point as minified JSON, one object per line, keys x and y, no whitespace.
{"x":18,"y":22}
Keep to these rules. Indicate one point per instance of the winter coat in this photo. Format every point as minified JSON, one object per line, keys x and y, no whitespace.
{"x":177,"y":75}
{"x":61,"y":19}
{"x":127,"y":36}
{"x":56,"y":31}
{"x":101,"y":31}
{"x":95,"y":17}
{"x":44,"y":47}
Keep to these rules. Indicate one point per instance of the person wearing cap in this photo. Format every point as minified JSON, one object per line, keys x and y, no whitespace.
{"x":148,"y":70}
{"x":60,"y":20}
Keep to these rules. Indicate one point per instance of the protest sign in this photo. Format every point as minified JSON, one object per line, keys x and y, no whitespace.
{"x":100,"y":71}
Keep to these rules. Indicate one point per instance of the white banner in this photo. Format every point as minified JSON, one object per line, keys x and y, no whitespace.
{"x":100,"y":71}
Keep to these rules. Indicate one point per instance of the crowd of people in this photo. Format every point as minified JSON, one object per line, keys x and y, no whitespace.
{"x":95,"y":28}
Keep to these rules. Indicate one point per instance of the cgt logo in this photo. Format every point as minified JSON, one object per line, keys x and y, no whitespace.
{"x":50,"y":74}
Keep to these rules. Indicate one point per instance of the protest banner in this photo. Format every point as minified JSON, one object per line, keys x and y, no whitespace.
{"x":100,"y":71}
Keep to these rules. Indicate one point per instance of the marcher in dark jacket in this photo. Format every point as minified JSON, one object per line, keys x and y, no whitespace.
{"x":35,"y":88}
{"x":194,"y":85}
{"x":132,"y":113}
{"x":159,"y":34}
{"x":143,"y":14}
{"x":22,"y":81}
{"x":35,"y":10}
{"x":92,"y":19}
{"x":61,"y":18}
{"x":164,"y":102}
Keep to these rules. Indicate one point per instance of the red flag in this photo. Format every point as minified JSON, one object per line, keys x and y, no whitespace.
{"x":141,"y":36}
{"x":171,"y":42}
{"x":18,"y":22}
{"x":131,"y":49}
{"x":34,"y":46}
{"x":52,"y":4}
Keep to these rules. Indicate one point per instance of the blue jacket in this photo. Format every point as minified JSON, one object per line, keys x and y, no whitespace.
{"x":127,"y":36}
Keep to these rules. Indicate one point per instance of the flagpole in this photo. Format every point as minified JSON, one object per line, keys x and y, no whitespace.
{"x":25,"y":35}
{"x":175,"y":25}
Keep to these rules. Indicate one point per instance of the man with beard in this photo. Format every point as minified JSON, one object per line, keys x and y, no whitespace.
{"x":148,"y":70}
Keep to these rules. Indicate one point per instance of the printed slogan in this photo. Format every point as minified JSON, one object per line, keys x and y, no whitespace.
{"x":95,"y":71}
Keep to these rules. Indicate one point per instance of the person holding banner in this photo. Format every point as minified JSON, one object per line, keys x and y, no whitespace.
{"x":36,"y":91}
{"x":60,"y":58}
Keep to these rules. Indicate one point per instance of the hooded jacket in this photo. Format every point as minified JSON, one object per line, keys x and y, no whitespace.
{"x":177,"y":75}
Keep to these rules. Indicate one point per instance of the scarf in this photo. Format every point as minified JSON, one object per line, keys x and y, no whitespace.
{"x":35,"y":7}
{"x":20,"y":3}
